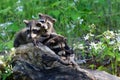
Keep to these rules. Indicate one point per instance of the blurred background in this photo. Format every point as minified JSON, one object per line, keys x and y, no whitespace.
{"x":92,"y":27}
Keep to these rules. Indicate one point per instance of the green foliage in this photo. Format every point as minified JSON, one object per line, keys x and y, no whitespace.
{"x":5,"y":67}
{"x":81,"y":21}
{"x":6,"y":73}
{"x":102,"y":50}
{"x":73,"y":16}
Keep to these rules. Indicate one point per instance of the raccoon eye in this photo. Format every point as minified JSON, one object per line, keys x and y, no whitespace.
{"x":35,"y":31}
{"x":28,"y":31}
{"x":38,"y":24}
{"x":42,"y":20}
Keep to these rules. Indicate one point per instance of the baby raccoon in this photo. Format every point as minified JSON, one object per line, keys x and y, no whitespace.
{"x":49,"y":21}
{"x":34,"y":29}
{"x":42,"y":31}
{"x":29,"y":34}
{"x":54,"y":41}
{"x":21,"y":38}
{"x":58,"y":44}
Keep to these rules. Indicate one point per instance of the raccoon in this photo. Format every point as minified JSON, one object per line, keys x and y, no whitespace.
{"x":55,"y":42}
{"x":42,"y":31}
{"x":21,"y":38}
{"x":58,"y":44}
{"x":30,"y":33}
{"x":49,"y":21}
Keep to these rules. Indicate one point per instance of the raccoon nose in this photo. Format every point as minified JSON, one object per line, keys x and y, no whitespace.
{"x":29,"y":37}
{"x":45,"y":27}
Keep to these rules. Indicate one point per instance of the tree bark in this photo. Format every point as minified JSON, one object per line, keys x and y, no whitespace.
{"x":41,"y":63}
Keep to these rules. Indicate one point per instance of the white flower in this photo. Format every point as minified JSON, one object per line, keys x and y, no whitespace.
{"x":100,"y":43}
{"x":86,"y":37}
{"x":6,"y":24}
{"x":112,"y":42}
{"x":33,"y":16}
{"x":6,"y":71}
{"x":93,"y":45}
{"x":118,"y":48}
{"x":109,"y":34}
{"x":19,"y":8}
{"x":91,"y":34}
{"x":3,"y":34}
{"x":12,"y":49}
{"x":107,"y":37}
{"x":1,"y":56}
{"x":118,"y":38}
{"x":96,"y":46}
{"x":80,"y":46}
{"x":1,"y":62}
{"x":80,"y":20}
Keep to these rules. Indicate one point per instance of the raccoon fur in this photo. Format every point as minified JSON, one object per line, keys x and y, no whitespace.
{"x":30,"y":33}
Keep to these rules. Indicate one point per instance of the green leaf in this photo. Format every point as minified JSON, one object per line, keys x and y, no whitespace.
{"x":109,"y":53}
{"x":117,"y":56}
{"x":4,"y":11}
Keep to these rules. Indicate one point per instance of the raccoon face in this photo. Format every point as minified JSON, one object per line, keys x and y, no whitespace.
{"x":34,"y":29}
{"x":44,"y":17}
{"x":48,"y":22}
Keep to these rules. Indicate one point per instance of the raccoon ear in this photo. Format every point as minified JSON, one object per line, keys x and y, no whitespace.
{"x":40,"y":15}
{"x":26,"y":21}
{"x":54,"y":20}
